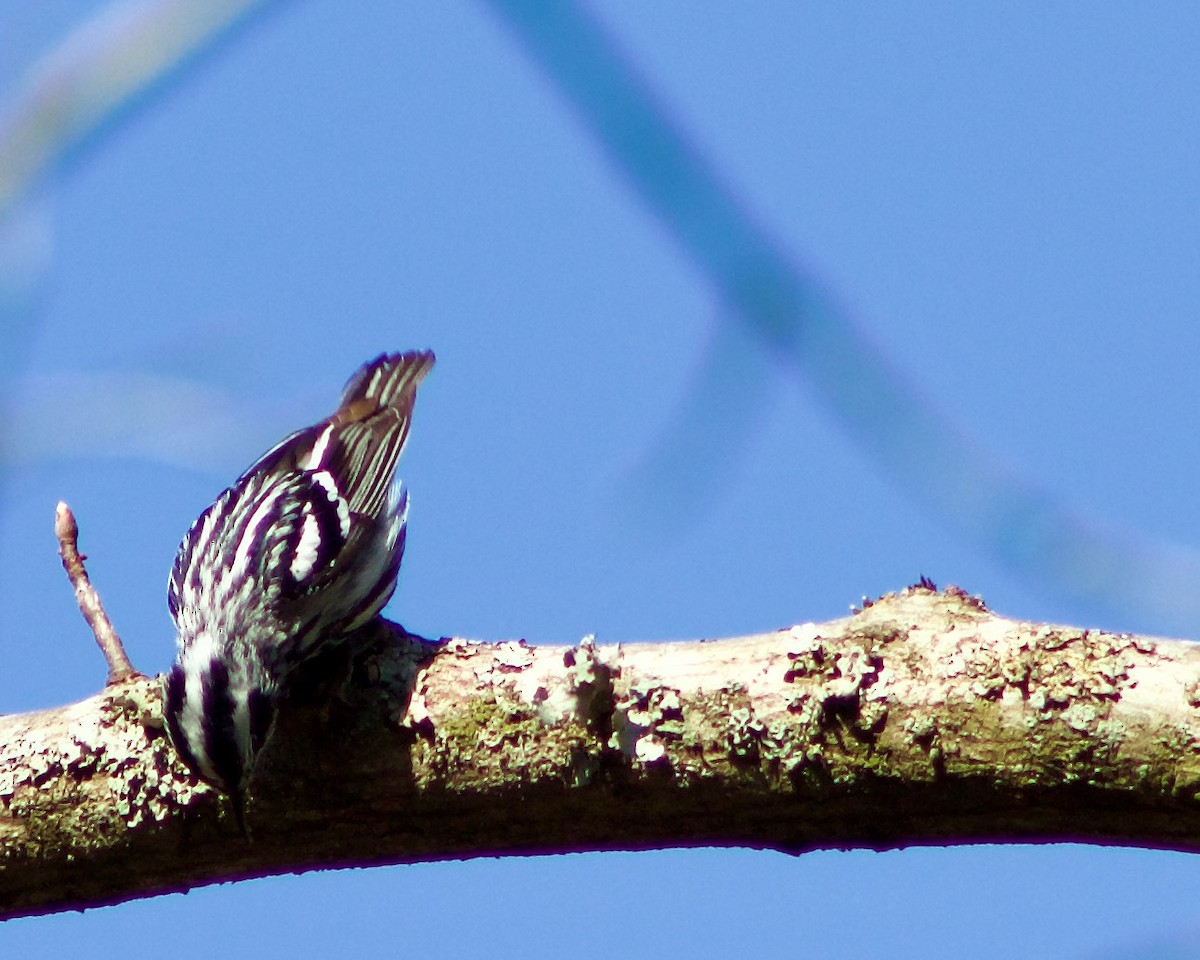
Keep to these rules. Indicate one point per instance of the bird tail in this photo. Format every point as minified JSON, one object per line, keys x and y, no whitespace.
{"x":372,"y":424}
{"x":390,"y":380}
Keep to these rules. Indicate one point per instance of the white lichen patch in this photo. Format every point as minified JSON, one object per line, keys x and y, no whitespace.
{"x":416,"y":716}
{"x":573,"y":684}
{"x":745,"y":734}
{"x":512,"y":655}
{"x":646,"y":718}
{"x":102,"y":757}
{"x":649,"y":749}
{"x":800,"y":642}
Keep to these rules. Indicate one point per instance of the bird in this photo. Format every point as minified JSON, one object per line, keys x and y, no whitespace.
{"x":293,"y":559}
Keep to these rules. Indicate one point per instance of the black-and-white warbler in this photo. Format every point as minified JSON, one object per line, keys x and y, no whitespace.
{"x":300,"y":552}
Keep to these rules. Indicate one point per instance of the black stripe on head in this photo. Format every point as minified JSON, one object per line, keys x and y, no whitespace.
{"x":220,"y":727}
{"x":176,"y":694}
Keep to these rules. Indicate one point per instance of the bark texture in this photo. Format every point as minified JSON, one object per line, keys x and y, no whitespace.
{"x":923,"y":719}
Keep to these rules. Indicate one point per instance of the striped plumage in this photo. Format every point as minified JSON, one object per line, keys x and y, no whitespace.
{"x":303,"y":549}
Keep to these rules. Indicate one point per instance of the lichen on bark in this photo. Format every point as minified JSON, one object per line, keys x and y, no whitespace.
{"x":923,"y":718}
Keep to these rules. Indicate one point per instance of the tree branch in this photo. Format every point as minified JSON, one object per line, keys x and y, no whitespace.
{"x":67,"y":532}
{"x":923,"y":719}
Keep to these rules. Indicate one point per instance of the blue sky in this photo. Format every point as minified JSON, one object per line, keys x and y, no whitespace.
{"x":1003,"y":201}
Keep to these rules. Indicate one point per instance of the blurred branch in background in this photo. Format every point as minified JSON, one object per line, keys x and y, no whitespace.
{"x":177,"y":422}
{"x":66,"y":100}
{"x":26,"y":247}
{"x":801,"y":326}
{"x":109,"y":62}
{"x":709,"y":432}
{"x":124,"y":54}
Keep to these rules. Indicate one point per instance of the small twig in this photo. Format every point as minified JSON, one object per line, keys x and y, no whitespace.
{"x":67,"y":531}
